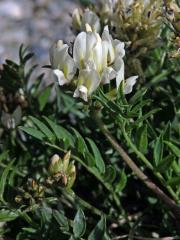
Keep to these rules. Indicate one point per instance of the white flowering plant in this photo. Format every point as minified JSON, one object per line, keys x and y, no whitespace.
{"x":95,"y":154}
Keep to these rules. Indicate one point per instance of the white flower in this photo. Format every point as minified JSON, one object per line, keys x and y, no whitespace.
{"x":62,"y":63}
{"x":96,"y":60}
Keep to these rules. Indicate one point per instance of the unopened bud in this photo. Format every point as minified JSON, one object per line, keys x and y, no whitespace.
{"x":56,"y":164}
{"x":76,"y":19}
{"x":71,"y":175}
{"x":66,"y":159}
{"x":18,"y":199}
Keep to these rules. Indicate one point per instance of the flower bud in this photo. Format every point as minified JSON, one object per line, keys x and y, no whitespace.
{"x":66,"y":159}
{"x":56,"y":164}
{"x":76,"y":19}
{"x":71,"y":175}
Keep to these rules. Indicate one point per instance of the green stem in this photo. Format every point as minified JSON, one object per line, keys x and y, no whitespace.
{"x":151,"y":185}
{"x":148,"y":164}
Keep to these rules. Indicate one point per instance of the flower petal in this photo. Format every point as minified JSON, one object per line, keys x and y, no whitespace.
{"x":119,"y":48}
{"x":90,"y":79}
{"x":82,"y":92}
{"x":129,"y":83}
{"x":119,"y":67}
{"x":92,"y":19}
{"x":106,"y":37}
{"x":60,"y":77}
{"x":55,"y":53}
{"x":79,"y":49}
{"x":108,"y":74}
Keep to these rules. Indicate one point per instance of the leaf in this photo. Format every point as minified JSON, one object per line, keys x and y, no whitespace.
{"x":61,"y":133}
{"x":3,"y":179}
{"x":29,"y":230}
{"x":122,"y":182}
{"x":44,"y":129}
{"x":7,"y":215}
{"x":110,"y":174}
{"x":79,"y":224}
{"x":97,"y":155}
{"x":167,"y":132}
{"x":4,"y":155}
{"x":43,"y":97}
{"x":158,"y":150}
{"x":165,"y":164}
{"x":138,"y":96}
{"x":173,"y":148}
{"x":142,"y":139}
{"x":81,"y":145}
{"x":174,"y":181}
{"x":146,"y":116}
{"x":61,"y":220}
{"x":33,"y":132}
{"x":99,"y":231}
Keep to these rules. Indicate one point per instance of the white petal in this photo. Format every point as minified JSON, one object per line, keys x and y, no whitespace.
{"x":90,"y":44}
{"x":106,"y":37}
{"x":129,"y":83}
{"x":90,"y":79}
{"x":92,"y":19}
{"x":119,"y":48}
{"x":60,"y":77}
{"x":54,"y":53}
{"x":119,"y":67}
{"x":79,"y":49}
{"x":98,"y":54}
{"x":108,"y":74}
{"x":82,"y":92}
{"x":69,"y":67}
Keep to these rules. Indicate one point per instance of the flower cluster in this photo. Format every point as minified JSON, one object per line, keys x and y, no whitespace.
{"x":62,"y":171}
{"x":136,"y":22}
{"x":94,"y":60}
{"x":173,"y":17}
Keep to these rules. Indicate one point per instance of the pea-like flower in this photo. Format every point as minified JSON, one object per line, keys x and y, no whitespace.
{"x":95,"y":60}
{"x":62,"y":63}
